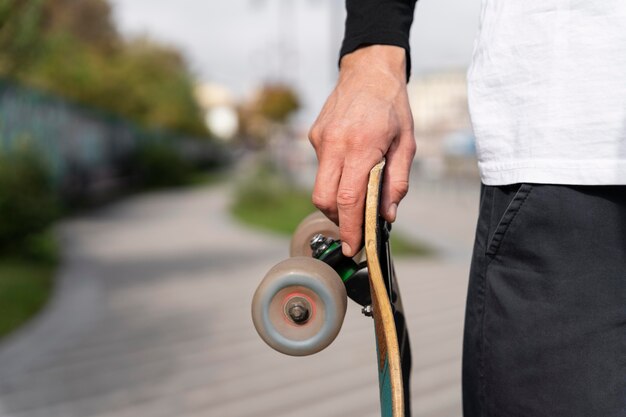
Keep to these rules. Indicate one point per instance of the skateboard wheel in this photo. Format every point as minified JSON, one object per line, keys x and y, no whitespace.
{"x":311,"y":225}
{"x":299,"y":307}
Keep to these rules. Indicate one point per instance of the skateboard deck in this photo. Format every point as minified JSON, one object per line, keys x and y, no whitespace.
{"x":299,"y":306}
{"x":392,"y":344}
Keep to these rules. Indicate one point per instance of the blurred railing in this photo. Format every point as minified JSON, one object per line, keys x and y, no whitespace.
{"x":88,"y":151}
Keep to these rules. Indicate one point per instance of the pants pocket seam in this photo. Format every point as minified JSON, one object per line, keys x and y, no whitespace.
{"x":508,"y":218}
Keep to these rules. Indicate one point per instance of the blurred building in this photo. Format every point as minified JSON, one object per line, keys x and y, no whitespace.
{"x":442,"y":124}
{"x":219,"y":107}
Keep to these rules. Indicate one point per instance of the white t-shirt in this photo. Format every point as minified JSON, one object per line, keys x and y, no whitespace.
{"x":547,"y":92}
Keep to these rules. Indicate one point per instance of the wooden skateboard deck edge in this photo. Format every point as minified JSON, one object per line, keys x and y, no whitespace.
{"x":388,"y":351}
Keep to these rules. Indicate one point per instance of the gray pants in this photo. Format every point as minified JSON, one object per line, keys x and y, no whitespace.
{"x":545,"y":327}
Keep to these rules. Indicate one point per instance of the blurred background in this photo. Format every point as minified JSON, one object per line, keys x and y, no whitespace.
{"x":153,"y":163}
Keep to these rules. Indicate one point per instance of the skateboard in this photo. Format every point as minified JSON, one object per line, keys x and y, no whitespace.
{"x":299,"y":307}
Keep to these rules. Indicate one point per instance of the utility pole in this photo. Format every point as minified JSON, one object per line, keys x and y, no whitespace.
{"x":282,"y":50}
{"x":287,"y":40}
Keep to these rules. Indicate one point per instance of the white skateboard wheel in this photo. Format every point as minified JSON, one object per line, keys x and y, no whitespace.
{"x":299,"y":307}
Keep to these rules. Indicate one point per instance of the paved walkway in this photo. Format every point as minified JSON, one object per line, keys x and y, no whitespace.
{"x":151,"y":318}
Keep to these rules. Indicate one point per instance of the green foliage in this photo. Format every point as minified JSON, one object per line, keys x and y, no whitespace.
{"x":144,"y":82}
{"x":40,"y":248}
{"x":25,"y":286}
{"x":72,"y":48}
{"x":88,"y":20}
{"x":28,"y":249}
{"x":158,"y":87}
{"x":20,"y":33}
{"x":160,"y":165}
{"x":28,"y":202}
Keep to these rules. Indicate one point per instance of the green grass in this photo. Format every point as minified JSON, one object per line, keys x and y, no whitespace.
{"x":274,"y":211}
{"x":208,"y":178}
{"x":405,"y":247}
{"x":26,"y":282}
{"x":266,"y":201}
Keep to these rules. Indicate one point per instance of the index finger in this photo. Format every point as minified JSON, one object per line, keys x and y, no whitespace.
{"x":351,"y":204}
{"x":326,"y":184}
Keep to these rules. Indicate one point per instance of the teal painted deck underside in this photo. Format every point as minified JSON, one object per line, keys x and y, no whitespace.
{"x":384,"y":385}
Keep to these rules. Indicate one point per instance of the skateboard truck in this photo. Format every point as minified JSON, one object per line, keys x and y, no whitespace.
{"x":354,"y":275}
{"x":319,"y":244}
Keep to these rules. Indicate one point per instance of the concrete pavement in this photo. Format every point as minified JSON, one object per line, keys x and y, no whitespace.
{"x":151,"y":318}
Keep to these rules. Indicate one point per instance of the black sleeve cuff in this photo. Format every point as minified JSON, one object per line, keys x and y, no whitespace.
{"x":378,"y":22}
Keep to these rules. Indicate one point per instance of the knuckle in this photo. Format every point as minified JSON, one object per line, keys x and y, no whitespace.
{"x":314,"y":135}
{"x":401,"y":188}
{"x":322,"y":202}
{"x":334,"y":135}
{"x":350,"y":134}
{"x":347,"y":198}
{"x":363,"y":156}
{"x":358,"y":142}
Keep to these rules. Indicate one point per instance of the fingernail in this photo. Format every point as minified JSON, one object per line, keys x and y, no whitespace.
{"x":393,"y":210}
{"x":346,"y":249}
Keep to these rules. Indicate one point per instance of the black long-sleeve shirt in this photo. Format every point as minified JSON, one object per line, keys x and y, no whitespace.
{"x":378,"y":22}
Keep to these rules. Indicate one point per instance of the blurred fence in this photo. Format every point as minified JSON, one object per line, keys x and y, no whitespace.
{"x":87,"y":150}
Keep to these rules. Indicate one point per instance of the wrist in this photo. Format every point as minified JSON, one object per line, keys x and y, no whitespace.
{"x":386,"y":58}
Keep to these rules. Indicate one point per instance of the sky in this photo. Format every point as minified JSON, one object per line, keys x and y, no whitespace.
{"x":242,"y":43}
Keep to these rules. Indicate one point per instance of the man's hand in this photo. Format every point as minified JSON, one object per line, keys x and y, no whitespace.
{"x":367,"y":117}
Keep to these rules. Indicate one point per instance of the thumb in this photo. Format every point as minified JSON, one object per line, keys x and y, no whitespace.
{"x":396,"y":181}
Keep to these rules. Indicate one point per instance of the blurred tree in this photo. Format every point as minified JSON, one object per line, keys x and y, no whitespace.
{"x":72,"y":48}
{"x":88,"y":20}
{"x":28,"y":203}
{"x":159,"y":86}
{"x":20,"y":33}
{"x":267,"y":113}
{"x":24,"y":25}
{"x":276,"y":102}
